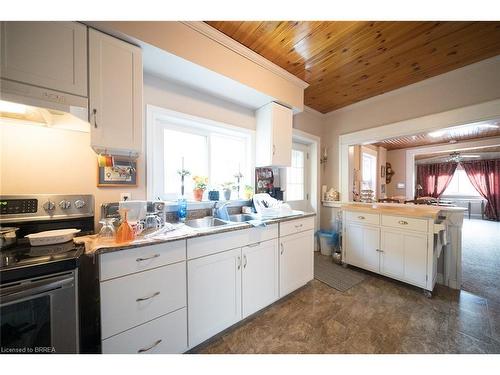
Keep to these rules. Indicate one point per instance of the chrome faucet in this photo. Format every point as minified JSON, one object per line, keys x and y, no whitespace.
{"x":217,"y":208}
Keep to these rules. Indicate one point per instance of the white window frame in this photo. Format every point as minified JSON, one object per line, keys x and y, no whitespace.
{"x":456,"y":194}
{"x":306,"y":149}
{"x":157,"y":117}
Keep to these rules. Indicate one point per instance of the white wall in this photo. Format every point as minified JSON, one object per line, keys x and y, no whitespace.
{"x":397,"y":158}
{"x":473,"y":84}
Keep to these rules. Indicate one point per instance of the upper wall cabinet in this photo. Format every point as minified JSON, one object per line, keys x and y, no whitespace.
{"x":51,"y":55}
{"x":115,"y":84}
{"x":274,"y":136}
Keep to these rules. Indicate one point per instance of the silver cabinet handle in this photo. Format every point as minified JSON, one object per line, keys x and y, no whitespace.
{"x":282,"y":248}
{"x":254,"y":244}
{"x":403,"y":222}
{"x":274,"y":149}
{"x":151,"y":257}
{"x":361,"y":217}
{"x":298,"y":226}
{"x":380,"y":251}
{"x":239,"y":262}
{"x":94,"y":113}
{"x":143,"y":350}
{"x":244,"y":261}
{"x":146,"y":298}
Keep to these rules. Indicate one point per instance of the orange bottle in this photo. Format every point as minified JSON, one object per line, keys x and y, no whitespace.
{"x":125,"y":232}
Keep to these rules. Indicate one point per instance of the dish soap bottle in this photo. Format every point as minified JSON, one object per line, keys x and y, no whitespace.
{"x":125,"y":232}
{"x":182,"y":209}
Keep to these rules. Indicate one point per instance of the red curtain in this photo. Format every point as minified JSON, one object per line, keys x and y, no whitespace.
{"x":434,"y":178}
{"x":484,"y":175}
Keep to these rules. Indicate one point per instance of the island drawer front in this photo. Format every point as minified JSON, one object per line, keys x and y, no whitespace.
{"x":216,"y":243}
{"x":363,"y":217}
{"x":419,"y":225}
{"x":125,"y":262}
{"x":132,"y":300}
{"x":296,"y":226}
{"x":171,"y":329}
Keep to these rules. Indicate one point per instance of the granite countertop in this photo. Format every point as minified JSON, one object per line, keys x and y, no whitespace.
{"x":422,"y":211}
{"x":93,"y":245}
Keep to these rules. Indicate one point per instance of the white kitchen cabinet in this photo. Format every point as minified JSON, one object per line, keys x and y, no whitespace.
{"x":164,"y":335}
{"x":260,"y":276}
{"x":214,"y":294}
{"x":296,"y":261}
{"x":51,"y":55}
{"x":395,"y":246}
{"x":403,"y":256}
{"x":362,"y":246}
{"x":115,"y":94}
{"x":274,"y":136}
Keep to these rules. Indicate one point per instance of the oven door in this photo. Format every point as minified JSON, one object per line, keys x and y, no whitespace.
{"x":40,"y":315}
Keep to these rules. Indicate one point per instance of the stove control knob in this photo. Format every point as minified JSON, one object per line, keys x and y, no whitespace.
{"x":64,"y":204}
{"x":80,"y":203}
{"x":49,"y":206}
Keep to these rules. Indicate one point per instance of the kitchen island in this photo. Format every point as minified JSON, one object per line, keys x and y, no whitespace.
{"x":417,"y":244}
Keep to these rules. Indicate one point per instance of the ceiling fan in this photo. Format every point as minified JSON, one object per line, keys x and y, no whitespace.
{"x":456,"y":157}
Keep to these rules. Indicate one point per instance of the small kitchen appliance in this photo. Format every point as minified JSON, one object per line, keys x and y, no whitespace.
{"x":39,"y":284}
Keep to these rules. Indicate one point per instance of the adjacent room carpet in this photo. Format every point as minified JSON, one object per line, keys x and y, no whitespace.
{"x":335,"y":275}
{"x":481,"y":258}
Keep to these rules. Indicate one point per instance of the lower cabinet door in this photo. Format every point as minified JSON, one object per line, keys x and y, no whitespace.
{"x":404,"y":256}
{"x":362,"y":244}
{"x":260,"y":276}
{"x":296,"y":261}
{"x":164,"y":335}
{"x":214,"y":294}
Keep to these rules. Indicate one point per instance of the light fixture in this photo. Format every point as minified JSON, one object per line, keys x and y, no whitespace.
{"x":324,"y":157}
{"x":9,"y":107}
{"x":457,"y":131}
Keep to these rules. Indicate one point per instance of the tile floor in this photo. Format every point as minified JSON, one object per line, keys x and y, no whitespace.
{"x":379,"y":315}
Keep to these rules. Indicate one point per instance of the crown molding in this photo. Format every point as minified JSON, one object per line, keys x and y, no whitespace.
{"x":246,"y":52}
{"x":314,"y":112}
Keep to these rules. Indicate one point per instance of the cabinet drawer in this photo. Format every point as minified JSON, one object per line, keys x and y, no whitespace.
{"x":216,"y":243}
{"x":296,"y":226}
{"x":121,"y":263}
{"x":164,"y":335}
{"x":409,"y":223}
{"x":129,"y":301}
{"x":363,"y":217}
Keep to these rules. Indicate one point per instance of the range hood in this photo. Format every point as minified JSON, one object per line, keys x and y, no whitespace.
{"x":39,"y":106}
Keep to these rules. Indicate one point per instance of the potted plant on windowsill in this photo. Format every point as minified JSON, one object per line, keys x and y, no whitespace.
{"x":200,"y":185}
{"x":226,"y":188}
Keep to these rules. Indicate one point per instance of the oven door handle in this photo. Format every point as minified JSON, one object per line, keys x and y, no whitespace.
{"x":36,"y":288}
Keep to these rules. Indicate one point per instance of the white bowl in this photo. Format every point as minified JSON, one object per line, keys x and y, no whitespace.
{"x":51,"y":237}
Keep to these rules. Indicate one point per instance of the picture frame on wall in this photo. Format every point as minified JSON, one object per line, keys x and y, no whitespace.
{"x":382,"y":171}
{"x":123,"y":172}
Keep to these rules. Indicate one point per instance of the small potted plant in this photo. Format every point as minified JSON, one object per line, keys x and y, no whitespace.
{"x":226,"y":188}
{"x":200,"y":185}
{"x":248,"y":192}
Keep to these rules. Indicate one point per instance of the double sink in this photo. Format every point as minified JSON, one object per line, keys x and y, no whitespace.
{"x":210,"y":221}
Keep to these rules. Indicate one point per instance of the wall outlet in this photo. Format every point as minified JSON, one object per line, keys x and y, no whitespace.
{"x":125,"y":196}
{"x":401,"y":185}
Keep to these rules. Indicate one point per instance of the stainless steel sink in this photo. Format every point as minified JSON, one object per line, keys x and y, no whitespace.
{"x":240,"y":218}
{"x":206,"y":222}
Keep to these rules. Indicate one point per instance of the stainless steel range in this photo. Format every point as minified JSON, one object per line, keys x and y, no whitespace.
{"x":39,"y":284}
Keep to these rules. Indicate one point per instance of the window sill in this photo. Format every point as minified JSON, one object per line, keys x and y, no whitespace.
{"x":171,"y":206}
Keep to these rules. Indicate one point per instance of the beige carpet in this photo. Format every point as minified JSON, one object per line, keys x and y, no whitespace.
{"x":481,"y":258}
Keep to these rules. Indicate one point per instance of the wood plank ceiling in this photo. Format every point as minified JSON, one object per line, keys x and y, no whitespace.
{"x":346,"y":62}
{"x":450,"y":135}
